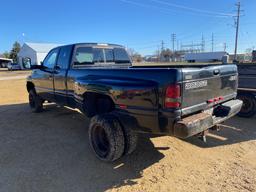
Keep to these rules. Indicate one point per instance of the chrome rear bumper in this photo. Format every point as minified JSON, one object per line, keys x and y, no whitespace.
{"x":198,"y":123}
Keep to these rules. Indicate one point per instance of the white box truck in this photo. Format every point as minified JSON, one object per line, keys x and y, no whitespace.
{"x":205,"y":57}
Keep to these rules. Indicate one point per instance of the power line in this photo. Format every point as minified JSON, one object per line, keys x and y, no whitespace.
{"x":168,"y":10}
{"x":147,"y":47}
{"x":192,"y":9}
{"x":202,"y":27}
{"x":145,"y":43}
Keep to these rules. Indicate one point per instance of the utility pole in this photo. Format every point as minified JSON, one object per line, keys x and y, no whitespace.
{"x":212,"y":42}
{"x":237,"y":27}
{"x":158,"y":53}
{"x":225,"y":46}
{"x":173,"y":41}
{"x":162,"y":49}
{"x":203,"y":44}
{"x":162,"y":46}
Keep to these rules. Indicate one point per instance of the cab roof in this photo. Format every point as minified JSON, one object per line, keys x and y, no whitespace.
{"x":98,"y":45}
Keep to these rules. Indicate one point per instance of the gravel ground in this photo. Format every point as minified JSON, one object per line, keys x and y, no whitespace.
{"x":50,"y":152}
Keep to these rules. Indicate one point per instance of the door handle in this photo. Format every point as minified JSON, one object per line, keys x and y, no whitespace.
{"x":56,"y":69}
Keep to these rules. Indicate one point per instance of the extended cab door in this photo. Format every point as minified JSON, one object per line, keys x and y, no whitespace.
{"x":44,"y":82}
{"x":60,"y":74}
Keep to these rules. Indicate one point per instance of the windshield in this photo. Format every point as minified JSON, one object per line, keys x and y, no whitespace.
{"x":90,"y":55}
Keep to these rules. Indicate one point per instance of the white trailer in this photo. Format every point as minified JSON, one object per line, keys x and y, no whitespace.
{"x":205,"y":57}
{"x":4,"y":62}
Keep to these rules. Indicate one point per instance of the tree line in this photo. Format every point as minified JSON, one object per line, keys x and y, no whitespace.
{"x":13,"y":53}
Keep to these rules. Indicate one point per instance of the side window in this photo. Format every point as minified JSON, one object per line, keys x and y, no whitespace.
{"x":64,"y":57}
{"x":50,"y":59}
{"x":121,"y":56}
{"x":83,"y":56}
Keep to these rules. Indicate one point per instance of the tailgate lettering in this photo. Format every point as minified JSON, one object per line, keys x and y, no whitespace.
{"x":196,"y":84}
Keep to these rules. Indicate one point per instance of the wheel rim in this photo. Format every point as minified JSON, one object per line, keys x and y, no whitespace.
{"x":247,"y":105}
{"x":31,"y":101}
{"x":100,"y":141}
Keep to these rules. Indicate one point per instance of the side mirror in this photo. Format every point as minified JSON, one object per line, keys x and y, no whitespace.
{"x":36,"y":66}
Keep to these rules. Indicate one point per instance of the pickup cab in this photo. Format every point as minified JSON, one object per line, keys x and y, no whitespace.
{"x":123,"y":100}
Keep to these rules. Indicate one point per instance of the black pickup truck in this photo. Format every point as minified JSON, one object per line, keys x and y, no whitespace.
{"x":247,"y":89}
{"x":122,"y":100}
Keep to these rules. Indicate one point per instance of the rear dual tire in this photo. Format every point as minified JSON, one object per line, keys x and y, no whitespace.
{"x":249,"y":105}
{"x":109,"y":139}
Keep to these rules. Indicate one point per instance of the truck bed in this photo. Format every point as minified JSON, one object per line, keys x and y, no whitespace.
{"x":174,"y":64}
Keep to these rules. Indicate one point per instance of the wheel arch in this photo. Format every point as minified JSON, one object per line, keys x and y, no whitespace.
{"x":97,"y":103}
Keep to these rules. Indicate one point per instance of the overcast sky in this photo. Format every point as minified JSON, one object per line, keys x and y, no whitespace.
{"x":138,"y":24}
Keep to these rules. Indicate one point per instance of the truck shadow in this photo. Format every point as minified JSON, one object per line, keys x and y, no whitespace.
{"x":50,"y":152}
{"x":235,"y":130}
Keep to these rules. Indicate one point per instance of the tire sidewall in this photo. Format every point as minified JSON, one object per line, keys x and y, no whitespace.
{"x":252,"y":100}
{"x":114,"y":134}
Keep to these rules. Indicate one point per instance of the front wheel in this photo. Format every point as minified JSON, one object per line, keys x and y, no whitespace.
{"x":35,"y":102}
{"x":106,"y":137}
{"x":249,"y":105}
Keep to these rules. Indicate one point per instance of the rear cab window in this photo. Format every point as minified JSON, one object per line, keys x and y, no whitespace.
{"x":120,"y":55}
{"x":93,"y":55}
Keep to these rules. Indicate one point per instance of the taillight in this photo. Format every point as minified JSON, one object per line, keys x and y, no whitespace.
{"x":215,"y":100}
{"x":210,"y":101}
{"x":172,"y":96}
{"x":221,"y":98}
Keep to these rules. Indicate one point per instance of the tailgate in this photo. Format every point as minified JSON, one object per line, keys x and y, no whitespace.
{"x":207,"y":86}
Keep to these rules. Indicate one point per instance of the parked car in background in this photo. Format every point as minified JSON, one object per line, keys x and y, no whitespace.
{"x":13,"y":66}
{"x":179,"y":100}
{"x":247,"y":89}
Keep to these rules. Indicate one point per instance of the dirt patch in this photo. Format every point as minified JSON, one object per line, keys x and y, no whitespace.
{"x":50,"y":152}
{"x":13,"y":91}
{"x":6,"y":73}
